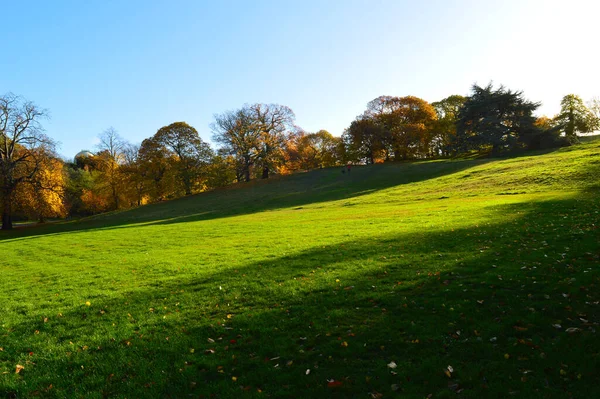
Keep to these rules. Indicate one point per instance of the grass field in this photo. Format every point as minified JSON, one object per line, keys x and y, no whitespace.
{"x":467,"y":278}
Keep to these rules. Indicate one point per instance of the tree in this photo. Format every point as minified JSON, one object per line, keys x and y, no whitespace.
{"x":43,"y":196}
{"x":157,"y":170}
{"x":236,"y":132}
{"x":109,"y":159}
{"x":574,"y":117}
{"x":221,"y":171}
{"x":444,"y":131}
{"x":256,"y":135}
{"x":594,"y":107}
{"x":191,"y":155}
{"x":273,"y":122}
{"x":498,"y":118}
{"x":134,"y":173}
{"x":23,"y":149}
{"x":365,"y":140}
{"x":398,"y":127}
{"x":79,"y":180}
{"x":317,"y":150}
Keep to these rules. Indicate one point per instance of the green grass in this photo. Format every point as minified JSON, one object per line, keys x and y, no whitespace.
{"x":471,"y":264}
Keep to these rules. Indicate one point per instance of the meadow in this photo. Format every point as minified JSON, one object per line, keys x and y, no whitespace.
{"x":450,"y":278}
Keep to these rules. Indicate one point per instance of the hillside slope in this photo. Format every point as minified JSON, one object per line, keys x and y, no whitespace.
{"x":312,"y":285}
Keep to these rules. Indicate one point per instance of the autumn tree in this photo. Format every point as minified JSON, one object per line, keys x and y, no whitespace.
{"x":256,"y":135}
{"x":409,"y":122}
{"x":23,"y":149}
{"x":317,"y":150}
{"x":393,"y":128}
{"x":238,"y":136}
{"x":365,"y":140}
{"x":222,"y":171}
{"x":42,"y":196}
{"x":499,"y":119}
{"x":157,"y":170}
{"x":134,"y":174}
{"x":189,"y":153}
{"x":273,"y":123}
{"x":109,"y":158}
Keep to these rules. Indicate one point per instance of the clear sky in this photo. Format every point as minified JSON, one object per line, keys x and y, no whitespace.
{"x":141,"y":65}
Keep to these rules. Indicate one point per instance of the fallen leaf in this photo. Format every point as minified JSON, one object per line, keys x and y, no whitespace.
{"x":307,"y":371}
{"x":392,"y":365}
{"x":18,"y":369}
{"x":334,"y":383}
{"x":572,"y":330}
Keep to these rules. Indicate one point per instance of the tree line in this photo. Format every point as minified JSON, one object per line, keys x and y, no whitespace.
{"x":257,"y":141}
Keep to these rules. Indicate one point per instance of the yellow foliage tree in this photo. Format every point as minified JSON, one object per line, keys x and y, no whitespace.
{"x":42,"y":196}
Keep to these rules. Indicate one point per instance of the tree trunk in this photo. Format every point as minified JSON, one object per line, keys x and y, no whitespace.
{"x":115,"y":197}
{"x":246,"y":168}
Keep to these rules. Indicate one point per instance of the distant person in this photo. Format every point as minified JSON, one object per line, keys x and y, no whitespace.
{"x":349,"y":166}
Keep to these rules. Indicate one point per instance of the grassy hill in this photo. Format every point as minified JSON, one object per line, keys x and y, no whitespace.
{"x":469,"y":278}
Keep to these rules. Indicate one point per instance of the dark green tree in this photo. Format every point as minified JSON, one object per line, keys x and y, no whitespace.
{"x":495,"y":119}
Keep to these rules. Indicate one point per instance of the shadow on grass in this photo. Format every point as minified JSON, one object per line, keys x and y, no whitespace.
{"x":291,"y":191}
{"x":482,"y":300}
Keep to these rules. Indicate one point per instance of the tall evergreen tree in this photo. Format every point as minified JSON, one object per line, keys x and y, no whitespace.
{"x":499,"y":119}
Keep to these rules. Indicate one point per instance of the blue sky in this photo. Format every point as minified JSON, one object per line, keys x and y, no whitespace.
{"x":141,"y":65}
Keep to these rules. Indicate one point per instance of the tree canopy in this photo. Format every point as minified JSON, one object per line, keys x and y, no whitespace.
{"x":499,"y":119}
{"x":258,"y":140}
